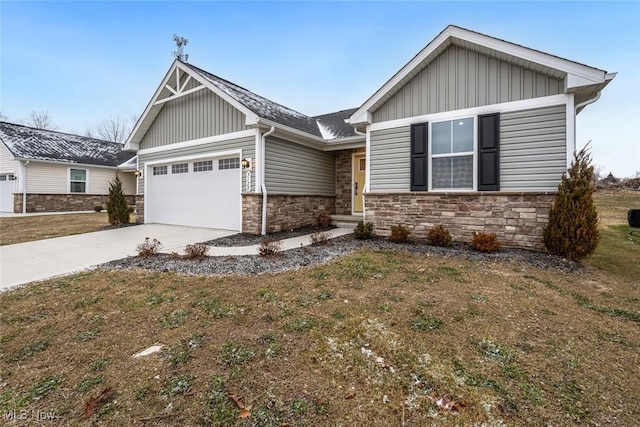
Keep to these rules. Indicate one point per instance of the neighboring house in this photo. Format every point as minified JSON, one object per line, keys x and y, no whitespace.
{"x":47,"y":171}
{"x":473,"y":133}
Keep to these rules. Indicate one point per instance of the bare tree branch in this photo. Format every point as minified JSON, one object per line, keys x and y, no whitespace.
{"x":115,"y":128}
{"x":42,"y":120}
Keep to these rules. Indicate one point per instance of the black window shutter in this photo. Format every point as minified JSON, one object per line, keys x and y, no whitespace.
{"x":419,"y":157}
{"x":489,"y":152}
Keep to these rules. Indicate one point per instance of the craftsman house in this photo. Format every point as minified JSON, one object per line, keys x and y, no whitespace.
{"x":47,"y":171}
{"x":473,"y":133}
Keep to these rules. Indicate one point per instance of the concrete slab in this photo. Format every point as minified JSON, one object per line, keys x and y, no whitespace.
{"x":43,"y":259}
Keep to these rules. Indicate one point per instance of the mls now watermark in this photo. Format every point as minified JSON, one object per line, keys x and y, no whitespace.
{"x":33,"y":415}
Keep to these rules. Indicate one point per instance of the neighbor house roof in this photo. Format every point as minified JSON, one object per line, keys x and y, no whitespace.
{"x":583,"y":80}
{"x":27,"y":143}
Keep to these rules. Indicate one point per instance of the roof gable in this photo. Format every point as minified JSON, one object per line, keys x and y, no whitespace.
{"x":29,"y":143}
{"x":575,"y":75}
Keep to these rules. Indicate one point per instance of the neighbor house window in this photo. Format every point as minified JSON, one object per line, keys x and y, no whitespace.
{"x":452,"y":165}
{"x":159,"y":170}
{"x":206,"y":165}
{"x":77,"y":180}
{"x":229,"y":163}
{"x":180,"y":168}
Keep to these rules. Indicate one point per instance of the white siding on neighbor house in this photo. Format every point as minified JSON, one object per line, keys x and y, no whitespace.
{"x":461,"y":78}
{"x":194,"y":116}
{"x":390,"y":159}
{"x":50,"y":178}
{"x":7,"y":165}
{"x":533,"y":149}
{"x":246,"y":144}
{"x":296,"y":169}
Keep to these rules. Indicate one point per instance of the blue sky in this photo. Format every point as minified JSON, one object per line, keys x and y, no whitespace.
{"x":86,"y":61}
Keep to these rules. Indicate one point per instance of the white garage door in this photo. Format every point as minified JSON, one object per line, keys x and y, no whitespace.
{"x":200,"y":193}
{"x":6,"y":192}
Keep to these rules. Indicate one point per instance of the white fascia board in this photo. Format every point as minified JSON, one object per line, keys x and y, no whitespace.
{"x":130,"y":144}
{"x":296,"y":135}
{"x":66,"y":164}
{"x":196,"y":142}
{"x":346,"y":143}
{"x":526,"y":104}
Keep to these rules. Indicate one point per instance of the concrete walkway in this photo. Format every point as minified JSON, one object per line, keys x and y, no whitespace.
{"x":39,"y":260}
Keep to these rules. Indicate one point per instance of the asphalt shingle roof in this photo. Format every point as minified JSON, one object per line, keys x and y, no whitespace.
{"x":331,"y":125}
{"x":30,"y":143}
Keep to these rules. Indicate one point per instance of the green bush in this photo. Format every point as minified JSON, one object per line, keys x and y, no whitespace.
{"x":363,"y":231}
{"x":572,"y":230}
{"x":439,"y":236}
{"x":399,"y":233}
{"x":117,"y":209}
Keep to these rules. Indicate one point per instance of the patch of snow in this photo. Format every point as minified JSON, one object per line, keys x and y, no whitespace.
{"x":325,"y":131}
{"x":148,"y":351}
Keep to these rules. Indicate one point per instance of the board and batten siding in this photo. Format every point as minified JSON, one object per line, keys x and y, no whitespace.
{"x":246,"y":144}
{"x":533,"y":149}
{"x":390,"y":159}
{"x":194,"y":116}
{"x":460,"y":78}
{"x":296,"y":169}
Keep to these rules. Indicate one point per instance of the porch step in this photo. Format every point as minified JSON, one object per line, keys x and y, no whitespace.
{"x":345,"y":221}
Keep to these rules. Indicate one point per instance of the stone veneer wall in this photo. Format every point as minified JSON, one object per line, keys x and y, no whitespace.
{"x":62,"y":202}
{"x":344,"y":167}
{"x":284,"y":211}
{"x":139,"y":203}
{"x":518,"y":219}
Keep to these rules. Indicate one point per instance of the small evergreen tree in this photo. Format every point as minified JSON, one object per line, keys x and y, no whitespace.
{"x":572,"y":231}
{"x":117,"y":209}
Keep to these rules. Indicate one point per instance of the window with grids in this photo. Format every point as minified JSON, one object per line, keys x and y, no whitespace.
{"x":180,"y":168}
{"x":206,"y":165}
{"x":78,"y":180}
{"x":452,"y":165}
{"x":159,"y":170}
{"x":233,"y":163}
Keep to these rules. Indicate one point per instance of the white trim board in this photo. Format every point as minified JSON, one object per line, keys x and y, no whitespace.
{"x":527,"y":104}
{"x":201,"y":141}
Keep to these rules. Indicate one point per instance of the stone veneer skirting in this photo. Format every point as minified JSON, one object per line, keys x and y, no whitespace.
{"x":284,"y":211}
{"x":62,"y":202}
{"x":518,"y":219}
{"x":139,"y":203}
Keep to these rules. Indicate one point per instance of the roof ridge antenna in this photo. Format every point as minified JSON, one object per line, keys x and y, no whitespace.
{"x":181,"y":42}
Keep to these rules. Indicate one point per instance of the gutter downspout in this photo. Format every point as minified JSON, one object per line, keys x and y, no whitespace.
{"x":23,"y":184}
{"x":588,"y":101}
{"x":358,"y":132}
{"x":263,"y":186}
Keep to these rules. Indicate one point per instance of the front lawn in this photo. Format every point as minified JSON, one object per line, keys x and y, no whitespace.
{"x":29,"y":228}
{"x":375,"y":338}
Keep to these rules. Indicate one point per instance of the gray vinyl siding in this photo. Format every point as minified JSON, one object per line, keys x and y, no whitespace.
{"x":246,"y":144}
{"x":460,"y":78}
{"x":296,"y":169}
{"x":197,"y":115}
{"x":390,"y":159}
{"x":533,"y":149}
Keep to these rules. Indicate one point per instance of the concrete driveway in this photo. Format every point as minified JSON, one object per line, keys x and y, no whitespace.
{"x":42,"y":259}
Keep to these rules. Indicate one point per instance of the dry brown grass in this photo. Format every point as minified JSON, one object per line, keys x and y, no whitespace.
{"x":38,"y":227}
{"x":513,"y":343}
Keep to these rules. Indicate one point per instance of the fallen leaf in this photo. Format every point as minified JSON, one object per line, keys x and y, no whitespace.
{"x":237,"y":400}
{"x":92,"y":404}
{"x":244,"y":413}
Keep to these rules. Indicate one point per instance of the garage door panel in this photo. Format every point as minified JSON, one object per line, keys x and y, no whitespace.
{"x":200,"y":199}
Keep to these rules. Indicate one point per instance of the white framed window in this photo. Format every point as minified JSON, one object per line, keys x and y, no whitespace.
{"x":77,"y":180}
{"x":180,"y":168}
{"x":233,"y":163}
{"x":160,"y":170}
{"x":203,"y":166}
{"x":452,"y":158}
